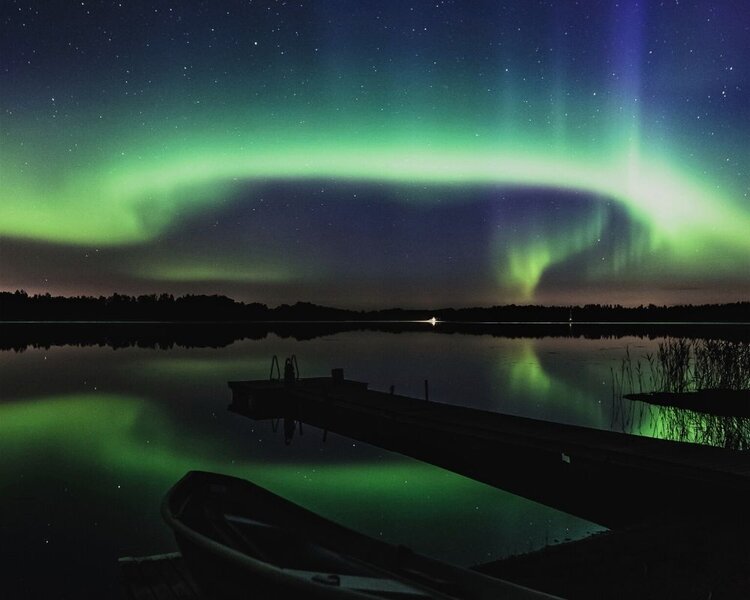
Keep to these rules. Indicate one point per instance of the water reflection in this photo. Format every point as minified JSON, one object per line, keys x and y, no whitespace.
{"x":113,"y":444}
{"x":681,"y":425}
{"x":92,"y":438}
{"x":555,"y":379}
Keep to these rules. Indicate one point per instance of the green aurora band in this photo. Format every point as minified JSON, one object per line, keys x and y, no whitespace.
{"x":123,"y":154}
{"x":136,"y":203}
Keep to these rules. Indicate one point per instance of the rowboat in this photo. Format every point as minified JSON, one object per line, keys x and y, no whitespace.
{"x":240,"y":540}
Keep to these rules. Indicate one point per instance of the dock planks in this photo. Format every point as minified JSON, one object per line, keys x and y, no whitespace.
{"x":610,"y":478}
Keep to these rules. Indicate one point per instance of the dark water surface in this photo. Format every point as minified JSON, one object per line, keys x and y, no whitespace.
{"x":92,"y":437}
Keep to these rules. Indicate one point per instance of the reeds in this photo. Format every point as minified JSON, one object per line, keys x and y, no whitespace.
{"x":722,"y":365}
{"x":628,"y":415}
{"x":682,"y":365}
{"x":732,"y":433}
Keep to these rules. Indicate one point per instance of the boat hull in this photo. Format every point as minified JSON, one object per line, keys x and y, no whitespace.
{"x":241,"y":541}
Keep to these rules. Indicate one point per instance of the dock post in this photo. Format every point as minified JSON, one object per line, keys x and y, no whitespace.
{"x":426,"y":390}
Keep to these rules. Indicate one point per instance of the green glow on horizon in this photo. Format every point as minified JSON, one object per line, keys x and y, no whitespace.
{"x":217,"y":271}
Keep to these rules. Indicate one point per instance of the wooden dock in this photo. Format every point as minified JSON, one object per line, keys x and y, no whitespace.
{"x":612,"y":479}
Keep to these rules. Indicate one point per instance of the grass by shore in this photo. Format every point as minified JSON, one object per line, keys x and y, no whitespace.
{"x":684,"y":365}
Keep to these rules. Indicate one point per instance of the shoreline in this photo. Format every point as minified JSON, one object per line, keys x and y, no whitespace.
{"x":22,"y":334}
{"x":705,"y":558}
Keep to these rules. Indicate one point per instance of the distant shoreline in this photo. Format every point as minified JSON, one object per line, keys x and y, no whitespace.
{"x":20,"y":335}
{"x":378,"y":322}
{"x":164,"y":308}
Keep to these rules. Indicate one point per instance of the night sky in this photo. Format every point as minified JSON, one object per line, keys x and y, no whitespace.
{"x":376,"y":153}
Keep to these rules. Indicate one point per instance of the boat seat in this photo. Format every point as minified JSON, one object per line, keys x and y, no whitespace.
{"x":288,"y":549}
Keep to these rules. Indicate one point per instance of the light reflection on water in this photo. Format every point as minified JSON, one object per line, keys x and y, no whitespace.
{"x":91,"y":438}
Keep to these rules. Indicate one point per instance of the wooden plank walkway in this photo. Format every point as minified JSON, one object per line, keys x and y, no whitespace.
{"x":609,"y":478}
{"x":157,"y":577}
{"x":647,"y":452}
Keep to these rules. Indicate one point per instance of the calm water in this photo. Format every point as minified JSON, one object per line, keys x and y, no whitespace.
{"x":91,"y":438}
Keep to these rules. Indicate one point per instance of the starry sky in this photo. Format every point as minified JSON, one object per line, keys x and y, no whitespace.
{"x":377,"y":153}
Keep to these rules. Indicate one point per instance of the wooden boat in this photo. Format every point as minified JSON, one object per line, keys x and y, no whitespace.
{"x":242,"y":541}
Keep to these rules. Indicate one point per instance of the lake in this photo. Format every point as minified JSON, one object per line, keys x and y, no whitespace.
{"x":91,"y":437}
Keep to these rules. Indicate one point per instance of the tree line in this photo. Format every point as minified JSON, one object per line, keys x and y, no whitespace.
{"x":20,"y":306}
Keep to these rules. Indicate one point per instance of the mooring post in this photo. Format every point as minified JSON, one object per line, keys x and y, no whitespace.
{"x":426,"y":390}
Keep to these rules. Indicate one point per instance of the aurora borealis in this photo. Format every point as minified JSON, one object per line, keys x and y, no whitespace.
{"x":377,"y":153}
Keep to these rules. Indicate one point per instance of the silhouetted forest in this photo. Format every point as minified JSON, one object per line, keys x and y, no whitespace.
{"x":19,"y":306}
